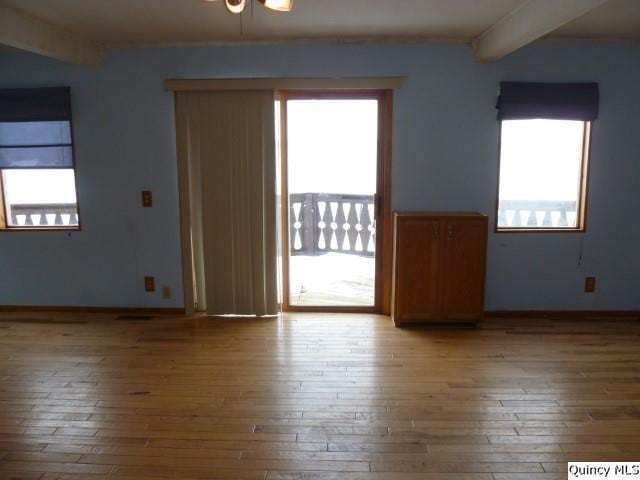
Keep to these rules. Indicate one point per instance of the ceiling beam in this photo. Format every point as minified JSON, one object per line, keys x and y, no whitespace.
{"x":25,"y":32}
{"x":527,"y":23}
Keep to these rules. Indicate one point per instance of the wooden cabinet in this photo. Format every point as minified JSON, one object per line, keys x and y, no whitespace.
{"x":439,"y":264}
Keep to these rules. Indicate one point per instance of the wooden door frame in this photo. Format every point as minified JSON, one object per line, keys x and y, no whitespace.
{"x":382,"y":302}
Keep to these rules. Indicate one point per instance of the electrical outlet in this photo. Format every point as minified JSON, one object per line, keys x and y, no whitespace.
{"x":149,"y":284}
{"x":147,"y":198}
{"x":166,"y":292}
{"x":590,"y":284}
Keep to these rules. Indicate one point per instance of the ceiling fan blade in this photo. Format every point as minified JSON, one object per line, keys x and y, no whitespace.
{"x":278,"y":5}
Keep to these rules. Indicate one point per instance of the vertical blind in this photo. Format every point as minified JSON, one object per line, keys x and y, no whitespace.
{"x":35,"y":128}
{"x":231,"y":146}
{"x":553,"y":101}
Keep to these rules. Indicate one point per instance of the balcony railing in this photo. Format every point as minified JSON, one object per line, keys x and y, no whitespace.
{"x":536,"y":214}
{"x":326,"y":222}
{"x":44,"y":215}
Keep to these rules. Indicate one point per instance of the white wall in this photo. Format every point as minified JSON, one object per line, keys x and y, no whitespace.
{"x":445,"y":158}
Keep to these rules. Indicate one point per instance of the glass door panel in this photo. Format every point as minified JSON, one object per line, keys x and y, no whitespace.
{"x":331,"y":178}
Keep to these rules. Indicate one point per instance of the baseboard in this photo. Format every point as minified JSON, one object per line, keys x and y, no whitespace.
{"x":105,"y":310}
{"x":560,"y":314}
{"x":556,"y":314}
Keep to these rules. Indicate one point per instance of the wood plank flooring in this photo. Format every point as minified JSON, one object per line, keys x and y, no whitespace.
{"x":313,"y":397}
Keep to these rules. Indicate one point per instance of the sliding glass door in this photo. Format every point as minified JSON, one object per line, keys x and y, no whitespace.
{"x":331,"y":154}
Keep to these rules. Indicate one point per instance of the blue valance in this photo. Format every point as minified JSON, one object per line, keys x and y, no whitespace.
{"x":555,"y":101}
{"x":35,"y":128}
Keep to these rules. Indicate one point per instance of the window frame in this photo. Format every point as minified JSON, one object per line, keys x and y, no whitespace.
{"x":4,"y":213}
{"x":581,"y":208}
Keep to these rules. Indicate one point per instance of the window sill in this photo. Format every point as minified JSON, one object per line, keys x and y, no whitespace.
{"x":539,"y":230}
{"x":39,"y":229}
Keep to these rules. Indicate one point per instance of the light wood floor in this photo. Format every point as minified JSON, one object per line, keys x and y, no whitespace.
{"x":313,"y":397}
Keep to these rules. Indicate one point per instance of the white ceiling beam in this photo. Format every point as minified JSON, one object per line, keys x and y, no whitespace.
{"x":527,"y":23}
{"x":25,"y":32}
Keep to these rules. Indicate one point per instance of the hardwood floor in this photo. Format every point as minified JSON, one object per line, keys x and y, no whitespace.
{"x":313,"y":397}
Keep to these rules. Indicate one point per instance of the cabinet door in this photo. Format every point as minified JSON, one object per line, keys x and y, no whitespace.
{"x":416,"y":269}
{"x":463,"y":272}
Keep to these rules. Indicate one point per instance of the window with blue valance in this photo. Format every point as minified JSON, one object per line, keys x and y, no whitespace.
{"x":545,"y":133}
{"x":37,"y":176}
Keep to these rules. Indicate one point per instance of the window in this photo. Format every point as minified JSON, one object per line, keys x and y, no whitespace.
{"x":37,"y":177}
{"x":542,"y":174}
{"x":544,"y":150}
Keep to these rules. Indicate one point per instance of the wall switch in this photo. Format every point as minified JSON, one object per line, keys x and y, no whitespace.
{"x":166,"y":292}
{"x":147,"y":198}
{"x":149,"y":284}
{"x":590,"y":284}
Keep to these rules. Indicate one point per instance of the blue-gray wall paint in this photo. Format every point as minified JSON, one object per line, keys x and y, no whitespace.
{"x":445,"y":157}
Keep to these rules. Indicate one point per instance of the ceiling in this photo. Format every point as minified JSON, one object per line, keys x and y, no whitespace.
{"x":161,"y":22}
{"x":615,"y":20}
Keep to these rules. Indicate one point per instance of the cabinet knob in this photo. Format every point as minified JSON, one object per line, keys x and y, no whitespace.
{"x":450,"y":232}
{"x":436,"y":232}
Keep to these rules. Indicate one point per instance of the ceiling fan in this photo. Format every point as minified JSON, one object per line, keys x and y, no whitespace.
{"x":237,"y":6}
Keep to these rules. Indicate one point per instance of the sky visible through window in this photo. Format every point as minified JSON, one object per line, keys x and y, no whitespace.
{"x":332,"y":146}
{"x":32,"y":186}
{"x":541,"y":160}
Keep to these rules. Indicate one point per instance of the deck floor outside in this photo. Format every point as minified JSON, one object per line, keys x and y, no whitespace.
{"x":334,"y":279}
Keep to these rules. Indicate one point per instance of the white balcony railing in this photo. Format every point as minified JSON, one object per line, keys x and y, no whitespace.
{"x":44,"y":215}
{"x":321,"y":223}
{"x":325,"y":222}
{"x":536,"y":214}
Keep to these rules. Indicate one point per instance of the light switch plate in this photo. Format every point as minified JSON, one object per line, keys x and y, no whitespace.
{"x":147,"y":198}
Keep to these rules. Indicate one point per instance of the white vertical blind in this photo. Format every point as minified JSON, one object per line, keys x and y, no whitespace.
{"x":231,"y":150}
